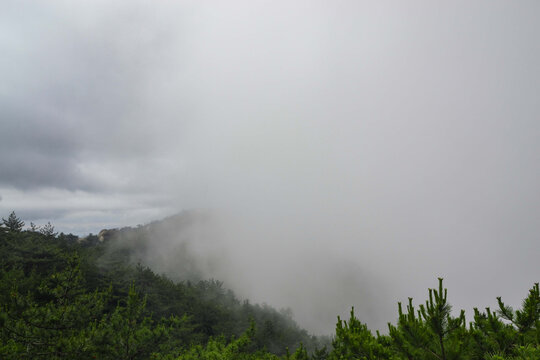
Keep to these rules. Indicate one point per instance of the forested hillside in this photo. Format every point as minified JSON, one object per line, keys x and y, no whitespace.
{"x":64,"y":298}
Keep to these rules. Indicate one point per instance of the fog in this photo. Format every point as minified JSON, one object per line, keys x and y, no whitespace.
{"x":354,"y":150}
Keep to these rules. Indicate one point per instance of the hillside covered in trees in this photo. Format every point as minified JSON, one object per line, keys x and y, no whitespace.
{"x":62,"y":297}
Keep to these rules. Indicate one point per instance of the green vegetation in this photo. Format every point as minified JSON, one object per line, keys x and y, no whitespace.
{"x":61,"y":298}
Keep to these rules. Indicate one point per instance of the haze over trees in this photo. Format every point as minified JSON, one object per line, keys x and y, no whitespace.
{"x":351,"y":142}
{"x":62,"y":297}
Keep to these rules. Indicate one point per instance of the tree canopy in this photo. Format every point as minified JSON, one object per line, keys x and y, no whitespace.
{"x":61,"y":298}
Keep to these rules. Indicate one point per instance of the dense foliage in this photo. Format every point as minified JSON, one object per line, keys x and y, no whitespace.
{"x":62,"y":298}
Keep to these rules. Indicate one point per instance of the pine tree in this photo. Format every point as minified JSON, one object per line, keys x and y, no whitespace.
{"x":13,"y":223}
{"x":353,"y":340}
{"x":33,"y":227}
{"x":526,"y":320}
{"x":48,"y":230}
{"x":431,"y":332}
{"x":490,"y":335}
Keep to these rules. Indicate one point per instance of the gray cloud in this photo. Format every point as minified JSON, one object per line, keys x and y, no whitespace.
{"x":398,"y":138}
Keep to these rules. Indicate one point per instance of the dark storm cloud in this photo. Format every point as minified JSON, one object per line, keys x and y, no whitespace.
{"x":75,"y":89}
{"x":36,"y":153}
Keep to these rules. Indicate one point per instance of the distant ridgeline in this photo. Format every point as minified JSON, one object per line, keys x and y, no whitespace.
{"x":101,"y":297}
{"x":184,"y":247}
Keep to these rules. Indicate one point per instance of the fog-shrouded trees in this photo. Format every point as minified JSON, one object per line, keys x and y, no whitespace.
{"x":63,"y":298}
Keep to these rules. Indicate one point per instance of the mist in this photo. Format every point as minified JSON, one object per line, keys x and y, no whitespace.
{"x":352,"y":152}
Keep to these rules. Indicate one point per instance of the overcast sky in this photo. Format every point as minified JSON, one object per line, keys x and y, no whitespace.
{"x":399,"y":137}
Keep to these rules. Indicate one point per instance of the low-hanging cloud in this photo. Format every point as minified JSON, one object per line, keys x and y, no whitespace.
{"x":393,"y":141}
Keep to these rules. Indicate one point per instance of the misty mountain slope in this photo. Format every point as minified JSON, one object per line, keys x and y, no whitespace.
{"x":258,"y":261}
{"x":185,"y":248}
{"x":63,"y":298}
{"x":195,"y":311}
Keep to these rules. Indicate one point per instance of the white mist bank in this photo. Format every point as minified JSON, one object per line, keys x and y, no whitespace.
{"x":357,"y":150}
